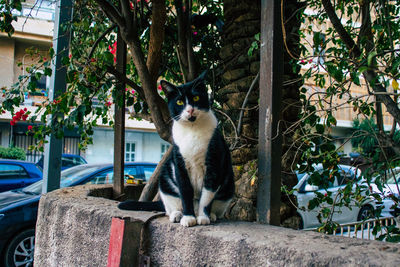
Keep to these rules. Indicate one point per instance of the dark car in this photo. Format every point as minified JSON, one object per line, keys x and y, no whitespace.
{"x":17,"y":174}
{"x":67,"y":161}
{"x":18,"y":208}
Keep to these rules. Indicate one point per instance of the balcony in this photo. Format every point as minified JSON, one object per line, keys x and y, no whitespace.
{"x":43,"y":10}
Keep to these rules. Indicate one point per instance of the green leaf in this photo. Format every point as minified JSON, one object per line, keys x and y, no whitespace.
{"x":320,"y":128}
{"x":47,"y":71}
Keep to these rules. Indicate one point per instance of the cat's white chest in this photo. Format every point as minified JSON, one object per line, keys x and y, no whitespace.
{"x":193,"y":141}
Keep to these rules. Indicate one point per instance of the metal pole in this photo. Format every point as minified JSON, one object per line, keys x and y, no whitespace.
{"x":119,"y":127}
{"x":270,"y":143}
{"x":53,"y":148}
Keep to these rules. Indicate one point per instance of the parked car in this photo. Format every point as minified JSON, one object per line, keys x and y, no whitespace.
{"x":18,"y":208}
{"x":67,"y":161}
{"x":390,"y":182}
{"x":390,"y":188}
{"x":305,"y":192}
{"x":17,"y":174}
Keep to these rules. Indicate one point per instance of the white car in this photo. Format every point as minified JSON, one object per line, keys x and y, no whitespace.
{"x":390,"y":186}
{"x":306,"y":192}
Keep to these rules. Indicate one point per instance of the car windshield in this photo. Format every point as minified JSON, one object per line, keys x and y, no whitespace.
{"x":300,"y":175}
{"x":148,"y":171}
{"x":68,"y":177}
{"x":391,"y":179}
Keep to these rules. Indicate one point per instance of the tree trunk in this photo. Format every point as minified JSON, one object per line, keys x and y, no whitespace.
{"x":242,"y":22}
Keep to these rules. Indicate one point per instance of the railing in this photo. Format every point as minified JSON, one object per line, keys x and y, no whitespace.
{"x":363,"y":230}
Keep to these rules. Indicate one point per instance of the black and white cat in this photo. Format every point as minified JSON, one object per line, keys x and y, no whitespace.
{"x":196,"y":183}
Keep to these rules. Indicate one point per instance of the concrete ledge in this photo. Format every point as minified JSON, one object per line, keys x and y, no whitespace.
{"x":73,"y":230}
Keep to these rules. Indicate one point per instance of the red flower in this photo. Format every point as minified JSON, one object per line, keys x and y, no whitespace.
{"x":24,"y":117}
{"x":30,"y":127}
{"x":25,"y":109}
{"x":108,"y":104}
{"x":12,"y":123}
{"x":92,"y":60}
{"x":194,"y":33}
{"x":131,"y":5}
{"x":326,"y":194}
{"x":113,"y":48}
{"x":133,"y":91}
{"x":44,"y":59}
{"x":159,"y":87}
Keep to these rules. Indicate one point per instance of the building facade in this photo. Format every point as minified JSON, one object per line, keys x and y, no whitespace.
{"x":32,"y":40}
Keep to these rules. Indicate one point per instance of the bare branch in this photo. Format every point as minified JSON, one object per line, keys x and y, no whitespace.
{"x":370,"y":75}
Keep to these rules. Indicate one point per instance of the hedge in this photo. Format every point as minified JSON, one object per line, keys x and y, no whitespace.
{"x":12,"y":153}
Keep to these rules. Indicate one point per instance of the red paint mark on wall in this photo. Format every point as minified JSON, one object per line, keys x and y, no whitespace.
{"x":116,"y":239}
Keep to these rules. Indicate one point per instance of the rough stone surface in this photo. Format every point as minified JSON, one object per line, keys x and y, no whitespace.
{"x":73,"y":230}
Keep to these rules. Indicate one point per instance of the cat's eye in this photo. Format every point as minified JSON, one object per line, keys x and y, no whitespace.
{"x":179,"y":102}
{"x":196,"y":98}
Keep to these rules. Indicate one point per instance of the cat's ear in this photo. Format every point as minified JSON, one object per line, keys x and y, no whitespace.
{"x":203,"y":75}
{"x":167,"y":87}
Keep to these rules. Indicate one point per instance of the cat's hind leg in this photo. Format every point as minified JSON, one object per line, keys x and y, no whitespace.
{"x":218,"y":209}
{"x":173,"y":207}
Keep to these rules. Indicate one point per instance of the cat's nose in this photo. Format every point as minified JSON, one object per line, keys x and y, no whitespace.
{"x":190,"y":111}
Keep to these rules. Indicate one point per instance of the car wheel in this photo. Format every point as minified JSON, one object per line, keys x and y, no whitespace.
{"x":21,"y":249}
{"x":366,"y":212}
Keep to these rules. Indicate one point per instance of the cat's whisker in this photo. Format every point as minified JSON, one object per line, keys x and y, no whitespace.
{"x":177,"y":118}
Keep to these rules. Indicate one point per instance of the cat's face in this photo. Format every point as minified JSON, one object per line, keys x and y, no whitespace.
{"x":187,"y":102}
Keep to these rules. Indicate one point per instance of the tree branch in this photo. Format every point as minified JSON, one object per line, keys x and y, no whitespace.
{"x":189,"y":46}
{"x":123,"y":78}
{"x":127,"y":14}
{"x":157,"y":30}
{"x":112,"y":27}
{"x":151,"y":187}
{"x":182,"y":47}
{"x":355,"y":52}
{"x":111,"y":11}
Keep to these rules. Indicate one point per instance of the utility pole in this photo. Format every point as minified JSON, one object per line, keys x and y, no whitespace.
{"x":119,"y":118}
{"x":270,"y":140}
{"x":53,"y":147}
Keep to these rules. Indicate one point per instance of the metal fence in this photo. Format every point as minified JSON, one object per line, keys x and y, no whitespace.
{"x":70,"y":146}
{"x":364,"y":230}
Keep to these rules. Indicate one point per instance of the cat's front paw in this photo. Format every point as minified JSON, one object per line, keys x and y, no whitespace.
{"x":175,"y":216}
{"x":188,"y":221}
{"x":203,"y":220}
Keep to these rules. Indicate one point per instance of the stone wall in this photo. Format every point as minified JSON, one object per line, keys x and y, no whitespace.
{"x":73,"y":229}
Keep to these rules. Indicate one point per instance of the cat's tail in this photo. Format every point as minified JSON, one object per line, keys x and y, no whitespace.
{"x":141,"y":205}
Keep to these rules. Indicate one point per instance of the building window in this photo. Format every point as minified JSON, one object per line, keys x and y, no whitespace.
{"x":130,"y":152}
{"x":319,"y":48}
{"x":164,"y":148}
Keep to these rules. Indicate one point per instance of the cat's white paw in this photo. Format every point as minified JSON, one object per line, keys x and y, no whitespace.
{"x":188,"y":221}
{"x":175,"y":216}
{"x":213,"y":217}
{"x":203,"y":220}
